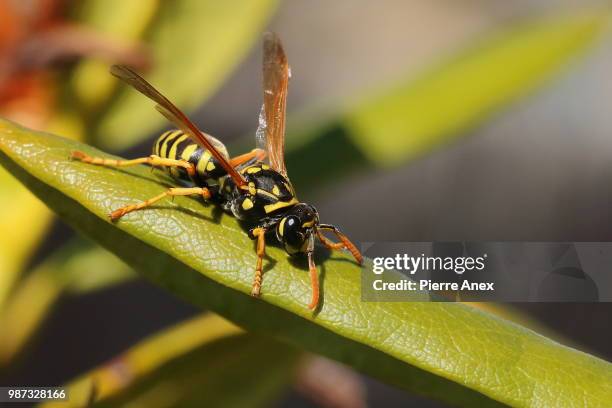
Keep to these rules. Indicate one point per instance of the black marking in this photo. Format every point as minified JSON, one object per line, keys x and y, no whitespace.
{"x":173,"y":146}
{"x":162,"y":140}
{"x":218,"y":171}
{"x":180,"y":148}
{"x":265,"y":203}
{"x":167,"y":144}
{"x":196,"y":156}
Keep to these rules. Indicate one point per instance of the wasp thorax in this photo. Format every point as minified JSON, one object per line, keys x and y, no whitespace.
{"x":296,"y":227}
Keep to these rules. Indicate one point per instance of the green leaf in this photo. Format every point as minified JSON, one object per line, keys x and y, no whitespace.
{"x":24,"y":215}
{"x":78,"y":267}
{"x":195,"y":45}
{"x":28,"y":219}
{"x":414,"y":115}
{"x":121,"y":21}
{"x":420,"y":114}
{"x":449,"y":351}
{"x":205,"y":361}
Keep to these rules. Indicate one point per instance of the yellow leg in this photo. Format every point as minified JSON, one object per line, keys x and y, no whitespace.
{"x":260,"y":234}
{"x":314,"y":282}
{"x":120,"y":212}
{"x":344,"y":244}
{"x":243,"y":158}
{"x":152,"y":160}
{"x":328,"y":242}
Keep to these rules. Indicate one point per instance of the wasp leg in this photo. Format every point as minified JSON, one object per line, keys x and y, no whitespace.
{"x":344,"y":244}
{"x":120,"y":212}
{"x":260,"y":234}
{"x":314,"y":276}
{"x":253,"y":155}
{"x":152,"y":160}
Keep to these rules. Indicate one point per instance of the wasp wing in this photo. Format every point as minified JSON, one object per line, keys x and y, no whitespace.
{"x":178,"y":118}
{"x":271,"y":131}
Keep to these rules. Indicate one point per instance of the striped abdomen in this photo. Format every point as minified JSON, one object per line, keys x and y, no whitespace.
{"x":176,"y":145}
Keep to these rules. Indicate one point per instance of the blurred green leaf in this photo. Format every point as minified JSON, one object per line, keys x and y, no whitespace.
{"x":120,"y":21}
{"x":205,"y":361}
{"x":394,"y":124}
{"x":76,"y":268}
{"x":83,"y":268}
{"x":411,"y":118}
{"x":448,"y":351}
{"x":27,"y":219}
{"x":23,"y":313}
{"x":195,"y":45}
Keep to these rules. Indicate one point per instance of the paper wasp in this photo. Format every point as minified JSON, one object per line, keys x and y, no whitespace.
{"x":251,"y":188}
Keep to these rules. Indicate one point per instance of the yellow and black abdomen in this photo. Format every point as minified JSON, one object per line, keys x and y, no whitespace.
{"x":176,"y":145}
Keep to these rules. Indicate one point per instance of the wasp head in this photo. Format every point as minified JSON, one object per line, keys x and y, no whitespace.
{"x":296,"y":229}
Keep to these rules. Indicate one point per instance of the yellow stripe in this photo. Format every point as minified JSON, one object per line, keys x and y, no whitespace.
{"x":163,"y":138}
{"x":281,"y":227}
{"x":278,"y":205}
{"x":172,"y":154}
{"x":201,"y":167}
{"x":308,"y":224}
{"x":266,"y":193}
{"x":188,"y":151}
{"x":157,"y":143}
{"x":164,"y":147}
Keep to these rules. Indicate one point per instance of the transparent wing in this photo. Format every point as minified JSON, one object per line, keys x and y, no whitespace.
{"x":262,"y":128}
{"x":271,"y":131}
{"x":178,"y":118}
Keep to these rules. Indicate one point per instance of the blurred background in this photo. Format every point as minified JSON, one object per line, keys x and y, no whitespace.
{"x":408,"y":121}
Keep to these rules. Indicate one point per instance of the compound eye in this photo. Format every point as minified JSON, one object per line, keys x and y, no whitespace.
{"x":292,"y":222}
{"x":286,"y":227}
{"x":290,"y":233}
